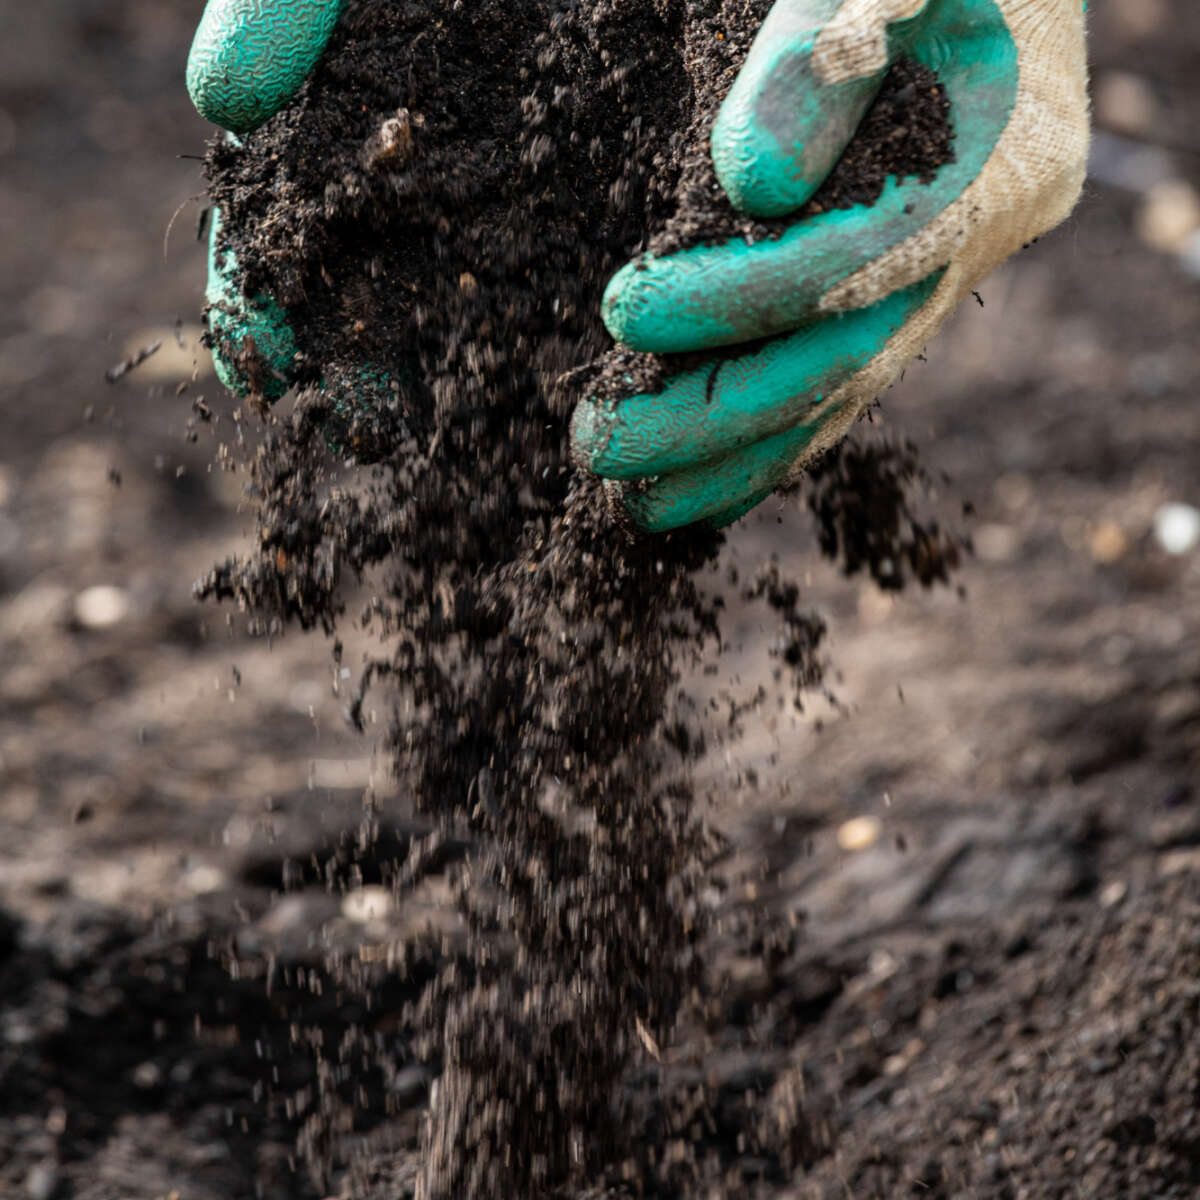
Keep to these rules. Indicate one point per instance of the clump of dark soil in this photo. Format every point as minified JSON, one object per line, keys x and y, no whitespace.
{"x":859,"y":496}
{"x":439,"y":210}
{"x":908,"y":132}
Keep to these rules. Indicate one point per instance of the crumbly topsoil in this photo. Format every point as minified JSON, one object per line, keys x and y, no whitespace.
{"x":442,"y":206}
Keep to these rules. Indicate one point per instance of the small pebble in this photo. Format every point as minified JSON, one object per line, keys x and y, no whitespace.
{"x":42,"y":1181}
{"x":367,"y":904}
{"x":410,"y":1084}
{"x":204,"y":879}
{"x":1177,"y":527}
{"x":996,"y":543}
{"x":147,"y":1075}
{"x":1107,"y":543}
{"x":859,"y":832}
{"x":1126,"y":103}
{"x":1169,"y":216}
{"x":101,"y":607}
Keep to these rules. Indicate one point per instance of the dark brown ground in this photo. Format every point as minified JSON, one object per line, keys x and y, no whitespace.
{"x":1004,"y":1004}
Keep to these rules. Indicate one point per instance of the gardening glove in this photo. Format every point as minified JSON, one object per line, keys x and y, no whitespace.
{"x":848,"y":297}
{"x":248,"y":59}
{"x":252,"y":343}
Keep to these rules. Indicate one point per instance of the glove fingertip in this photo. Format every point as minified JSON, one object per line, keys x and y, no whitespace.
{"x":622,"y":305}
{"x":252,"y":341}
{"x":752,"y":173}
{"x":590,"y":427}
{"x":249,"y":57}
{"x":253,"y":351}
{"x":645,"y":303}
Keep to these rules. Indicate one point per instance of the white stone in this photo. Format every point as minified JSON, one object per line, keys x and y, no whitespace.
{"x":101,"y":607}
{"x":1177,"y":527}
{"x":996,"y":543}
{"x":859,"y":832}
{"x":370,"y":903}
{"x":203,"y":879}
{"x":1169,"y":216}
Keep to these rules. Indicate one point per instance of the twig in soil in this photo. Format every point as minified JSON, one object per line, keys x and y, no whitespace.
{"x":132,"y":362}
{"x":175,"y":216}
{"x":647,"y":1039}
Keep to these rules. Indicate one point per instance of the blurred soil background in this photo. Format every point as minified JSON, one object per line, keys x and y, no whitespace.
{"x":979,"y":869}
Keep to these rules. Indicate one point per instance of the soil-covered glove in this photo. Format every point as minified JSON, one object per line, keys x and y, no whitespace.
{"x":254,"y":352}
{"x":252,"y":342}
{"x":248,"y":59}
{"x":857,"y":293}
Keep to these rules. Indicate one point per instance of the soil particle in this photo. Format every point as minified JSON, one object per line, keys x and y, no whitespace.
{"x":439,"y":210}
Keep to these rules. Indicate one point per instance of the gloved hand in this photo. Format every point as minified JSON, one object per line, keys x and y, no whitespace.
{"x":248,"y":58}
{"x":854,"y":294}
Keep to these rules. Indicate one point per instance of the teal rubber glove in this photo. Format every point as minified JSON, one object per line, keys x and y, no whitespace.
{"x":248,"y":59}
{"x":254,"y":353}
{"x":252,"y":343}
{"x":848,"y":297}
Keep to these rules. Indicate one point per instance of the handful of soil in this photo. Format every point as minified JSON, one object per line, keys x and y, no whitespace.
{"x":442,"y":204}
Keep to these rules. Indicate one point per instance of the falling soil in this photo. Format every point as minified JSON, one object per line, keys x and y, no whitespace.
{"x":860,"y":498}
{"x":438,"y":211}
